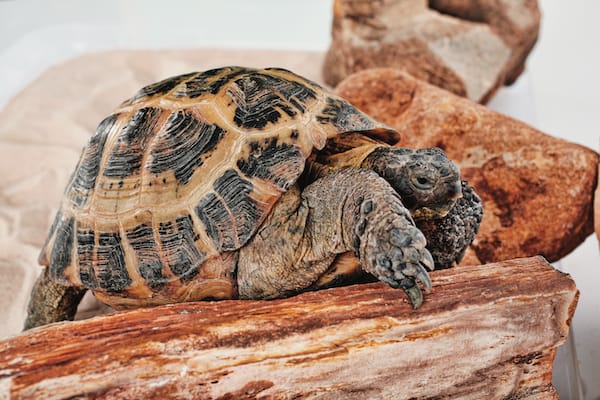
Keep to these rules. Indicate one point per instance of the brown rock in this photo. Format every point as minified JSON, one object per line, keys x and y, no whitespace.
{"x":517,"y":23}
{"x":467,"y":341}
{"x":537,"y":190}
{"x":471,"y":49}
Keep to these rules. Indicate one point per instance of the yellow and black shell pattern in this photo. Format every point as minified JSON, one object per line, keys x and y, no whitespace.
{"x":181,"y":176}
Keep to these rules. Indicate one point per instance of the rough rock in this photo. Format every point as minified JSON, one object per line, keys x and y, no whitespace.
{"x":467,"y":341}
{"x":537,"y":190}
{"x":470,"y":47}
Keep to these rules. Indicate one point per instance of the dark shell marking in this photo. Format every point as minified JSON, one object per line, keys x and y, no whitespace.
{"x":83,"y":179}
{"x":85,"y":253}
{"x":110,"y":267}
{"x":177,"y":241}
{"x":183,"y":144}
{"x":161,"y":87}
{"x":232,"y":217}
{"x":142,"y":240}
{"x":62,"y":250}
{"x":126,"y":155}
{"x":344,"y":116}
{"x":280,"y":163}
{"x":101,"y":261}
{"x":208,"y":82}
{"x":260,"y":99}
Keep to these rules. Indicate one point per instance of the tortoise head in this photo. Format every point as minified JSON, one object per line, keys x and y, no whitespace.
{"x":427,"y":181}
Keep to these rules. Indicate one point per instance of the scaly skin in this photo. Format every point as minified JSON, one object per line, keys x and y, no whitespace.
{"x":51,"y":302}
{"x":426,"y":180}
{"x":348,"y":210}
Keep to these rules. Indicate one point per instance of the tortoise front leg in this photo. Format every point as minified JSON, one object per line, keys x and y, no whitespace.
{"x":51,"y":302}
{"x":349,"y":210}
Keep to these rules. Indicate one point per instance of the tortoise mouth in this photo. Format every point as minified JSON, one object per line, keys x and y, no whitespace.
{"x":434,"y":211}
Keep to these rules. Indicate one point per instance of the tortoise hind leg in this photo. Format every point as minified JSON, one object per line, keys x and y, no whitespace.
{"x":51,"y":302}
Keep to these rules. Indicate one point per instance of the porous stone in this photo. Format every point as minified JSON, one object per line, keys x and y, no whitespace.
{"x":470,"y":47}
{"x":537,"y":190}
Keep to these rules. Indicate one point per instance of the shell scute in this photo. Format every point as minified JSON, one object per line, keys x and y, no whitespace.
{"x":145,"y":246}
{"x":84,"y":177}
{"x":261,"y":99}
{"x":62,"y":249}
{"x":127,"y":153}
{"x":206,"y":83}
{"x":86,"y":244}
{"x":109,"y":263}
{"x":278,"y":162}
{"x":177,"y":240}
{"x":182,"y":145}
{"x":230,"y":214}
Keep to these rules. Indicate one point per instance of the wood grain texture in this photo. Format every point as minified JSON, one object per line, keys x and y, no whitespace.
{"x":488,"y":331}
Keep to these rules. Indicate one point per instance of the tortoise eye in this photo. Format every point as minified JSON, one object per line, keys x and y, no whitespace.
{"x":422,"y":182}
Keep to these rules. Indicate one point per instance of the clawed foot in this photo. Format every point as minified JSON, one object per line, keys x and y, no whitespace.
{"x":395,"y":253}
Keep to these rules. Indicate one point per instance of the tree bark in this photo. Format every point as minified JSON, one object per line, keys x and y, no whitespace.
{"x":488,"y":331}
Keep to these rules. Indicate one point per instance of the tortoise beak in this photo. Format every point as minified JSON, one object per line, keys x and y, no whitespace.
{"x":435,"y":211}
{"x":455,"y":191}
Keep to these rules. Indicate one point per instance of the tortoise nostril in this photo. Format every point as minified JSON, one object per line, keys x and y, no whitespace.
{"x":455,"y":191}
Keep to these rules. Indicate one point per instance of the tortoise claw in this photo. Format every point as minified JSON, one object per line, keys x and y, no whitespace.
{"x":414,"y":295}
{"x":427,"y":260}
{"x":423,"y":276}
{"x":414,"y":273}
{"x":401,"y":261}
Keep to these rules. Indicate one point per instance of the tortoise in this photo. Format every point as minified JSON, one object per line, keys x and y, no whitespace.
{"x":240,"y":183}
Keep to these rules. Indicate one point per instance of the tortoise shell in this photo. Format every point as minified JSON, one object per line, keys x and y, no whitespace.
{"x":182,"y":174}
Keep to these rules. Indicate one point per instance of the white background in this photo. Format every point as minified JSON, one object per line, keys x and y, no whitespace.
{"x":559,"y":94}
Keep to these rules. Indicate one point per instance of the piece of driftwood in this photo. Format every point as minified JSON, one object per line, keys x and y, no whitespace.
{"x":485,"y":332}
